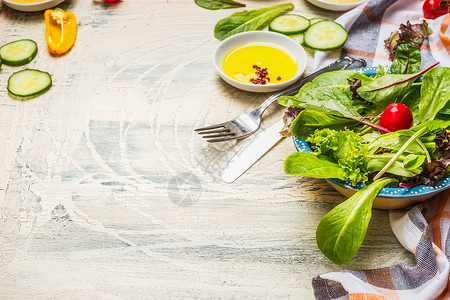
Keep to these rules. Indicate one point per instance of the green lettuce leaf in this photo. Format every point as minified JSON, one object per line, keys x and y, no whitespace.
{"x":313,"y":165}
{"x":435,"y":93}
{"x":218,"y":4}
{"x":407,"y":60}
{"x":341,"y":232}
{"x":249,"y":20}
{"x":308,"y":121}
{"x":344,"y":147}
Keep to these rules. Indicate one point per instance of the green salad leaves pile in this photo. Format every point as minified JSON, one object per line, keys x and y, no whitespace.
{"x":338,"y":115}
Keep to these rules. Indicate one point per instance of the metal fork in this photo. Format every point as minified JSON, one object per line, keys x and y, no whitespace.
{"x":247,"y":123}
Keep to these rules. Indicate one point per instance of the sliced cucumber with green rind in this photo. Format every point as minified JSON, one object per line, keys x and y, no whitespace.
{"x":315,"y":20}
{"x":289,"y":24}
{"x":298,"y":38}
{"x":29,"y":83}
{"x":19,"y":52}
{"x":325,"y":35}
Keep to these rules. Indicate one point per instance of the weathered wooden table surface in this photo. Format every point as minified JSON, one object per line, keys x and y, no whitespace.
{"x":107,"y":193}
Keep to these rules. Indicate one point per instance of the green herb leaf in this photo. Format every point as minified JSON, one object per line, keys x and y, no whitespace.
{"x":407,"y":60}
{"x":341,"y":232}
{"x":435,"y":93}
{"x":312,"y":165}
{"x":218,"y":4}
{"x":249,"y":20}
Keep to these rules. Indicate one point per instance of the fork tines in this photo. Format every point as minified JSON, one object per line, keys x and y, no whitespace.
{"x":216,"y":133}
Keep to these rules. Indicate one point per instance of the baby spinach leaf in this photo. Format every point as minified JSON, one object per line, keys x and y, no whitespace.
{"x":434,"y":126}
{"x":249,"y":20}
{"x":218,"y":4}
{"x":445,"y":110}
{"x":341,"y":232}
{"x":405,"y":146}
{"x":313,"y":165}
{"x":375,"y":163}
{"x":393,"y":140}
{"x":331,"y":91}
{"x":407,"y":60}
{"x":412,"y":99}
{"x":308,"y":121}
{"x":435,"y":93}
{"x":413,"y":161}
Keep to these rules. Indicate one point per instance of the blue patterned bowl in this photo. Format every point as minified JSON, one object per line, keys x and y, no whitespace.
{"x":388,"y":198}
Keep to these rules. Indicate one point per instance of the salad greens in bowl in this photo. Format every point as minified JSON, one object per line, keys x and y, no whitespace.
{"x":396,"y":197}
{"x":376,"y":134}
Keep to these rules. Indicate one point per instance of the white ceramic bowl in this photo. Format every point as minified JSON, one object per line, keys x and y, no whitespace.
{"x":336,"y":6}
{"x":293,"y":47}
{"x":29,"y":7}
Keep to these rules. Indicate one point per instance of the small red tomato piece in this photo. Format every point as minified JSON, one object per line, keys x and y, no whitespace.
{"x":396,"y":116}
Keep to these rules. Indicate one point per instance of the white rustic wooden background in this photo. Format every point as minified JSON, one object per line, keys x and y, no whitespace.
{"x":107,"y":193}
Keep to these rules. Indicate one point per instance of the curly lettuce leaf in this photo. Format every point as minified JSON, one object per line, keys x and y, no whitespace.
{"x":344,"y":147}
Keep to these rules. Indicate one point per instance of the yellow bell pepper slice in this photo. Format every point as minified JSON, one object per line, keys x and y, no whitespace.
{"x":61,"y":30}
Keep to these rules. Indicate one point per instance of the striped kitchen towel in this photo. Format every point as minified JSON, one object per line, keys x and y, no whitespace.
{"x":423,"y":229}
{"x":369,"y":25}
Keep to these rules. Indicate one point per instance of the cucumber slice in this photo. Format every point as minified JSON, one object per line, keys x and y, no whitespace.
{"x":19,"y":52}
{"x":29,"y":82}
{"x":289,"y":24}
{"x":298,"y":38}
{"x":315,"y":20}
{"x":325,"y":35}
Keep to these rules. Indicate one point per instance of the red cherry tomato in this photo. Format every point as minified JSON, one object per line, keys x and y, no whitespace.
{"x":396,"y":116}
{"x":433,"y":9}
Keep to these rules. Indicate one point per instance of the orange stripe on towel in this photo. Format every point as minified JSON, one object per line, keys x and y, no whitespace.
{"x":442,"y":33}
{"x":436,"y":222}
{"x":367,"y":54}
{"x":364,"y":296}
{"x":373,"y":17}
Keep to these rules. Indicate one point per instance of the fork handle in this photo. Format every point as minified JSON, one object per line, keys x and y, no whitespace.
{"x":342,"y":63}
